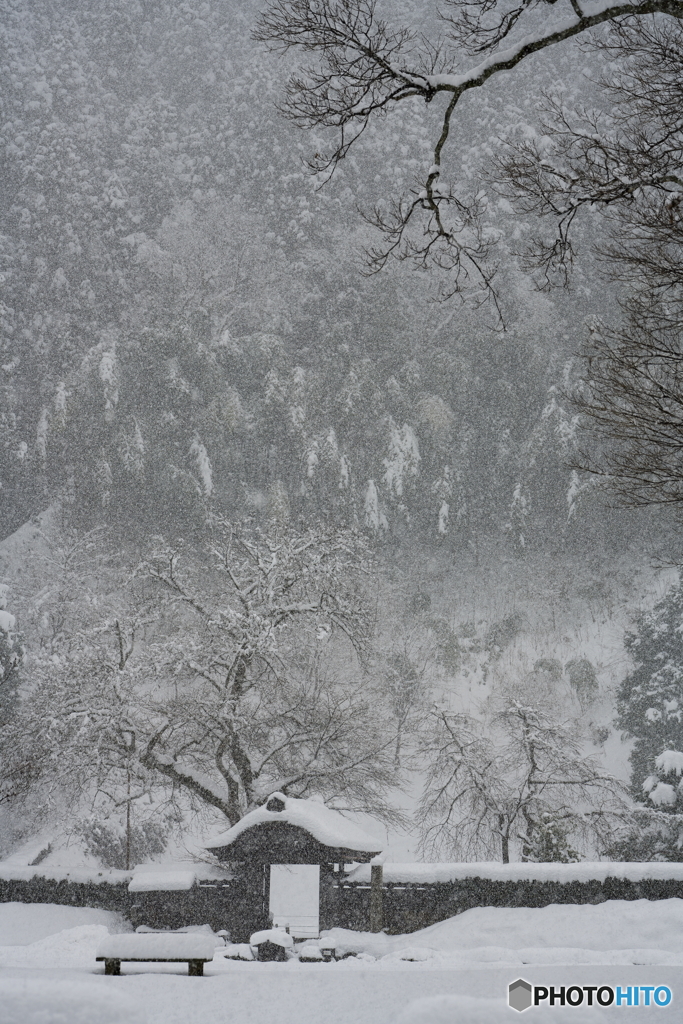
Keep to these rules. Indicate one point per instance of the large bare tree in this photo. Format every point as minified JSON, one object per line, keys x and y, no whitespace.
{"x":361,"y":67}
{"x":516,"y":780}
{"x":230,"y":670}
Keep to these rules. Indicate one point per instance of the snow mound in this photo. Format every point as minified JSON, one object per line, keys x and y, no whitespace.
{"x":24,"y":923}
{"x":237,"y":951}
{"x":469,"y":1010}
{"x":633,"y":927}
{"x":615,"y":924}
{"x":276,"y":935}
{"x":74,"y":947}
{"x":310,"y":951}
{"x":46,"y":1001}
{"x":413,"y":954}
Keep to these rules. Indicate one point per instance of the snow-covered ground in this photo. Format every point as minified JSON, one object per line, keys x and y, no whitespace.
{"x":455,"y":972}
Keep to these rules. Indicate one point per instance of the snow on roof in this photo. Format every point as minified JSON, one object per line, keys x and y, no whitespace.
{"x":584,"y":871}
{"x":327,"y":826}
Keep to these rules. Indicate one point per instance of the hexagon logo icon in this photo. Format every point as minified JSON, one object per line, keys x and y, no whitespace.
{"x":519,"y":995}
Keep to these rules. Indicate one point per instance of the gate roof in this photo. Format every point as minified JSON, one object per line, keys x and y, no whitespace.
{"x":286,"y":830}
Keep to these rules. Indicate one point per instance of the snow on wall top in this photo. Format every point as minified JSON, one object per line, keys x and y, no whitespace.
{"x":586,"y":871}
{"x":149,"y":876}
{"x":18,"y":873}
{"x":160,"y":879}
{"x":327,"y":826}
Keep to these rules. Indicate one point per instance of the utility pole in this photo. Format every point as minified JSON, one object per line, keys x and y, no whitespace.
{"x":128,"y":821}
{"x":376,"y":908}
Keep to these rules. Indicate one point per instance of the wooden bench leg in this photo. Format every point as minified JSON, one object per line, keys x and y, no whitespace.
{"x":195,"y":968}
{"x":112,"y":966}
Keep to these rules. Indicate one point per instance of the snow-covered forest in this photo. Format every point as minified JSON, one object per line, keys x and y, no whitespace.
{"x":282,"y":513}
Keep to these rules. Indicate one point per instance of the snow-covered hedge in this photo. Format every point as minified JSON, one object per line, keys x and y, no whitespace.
{"x":104,"y":891}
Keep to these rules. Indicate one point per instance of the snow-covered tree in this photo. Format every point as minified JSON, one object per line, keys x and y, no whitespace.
{"x":406,"y":686}
{"x":11,"y":659}
{"x":650,"y":711}
{"x":241,"y":672}
{"x":655,"y":831}
{"x":268,"y":672}
{"x":80,"y":631}
{"x":650,"y":698}
{"x":11,"y":656}
{"x":515,"y":780}
{"x":663,"y":787}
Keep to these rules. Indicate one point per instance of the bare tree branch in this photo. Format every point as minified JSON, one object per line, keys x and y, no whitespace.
{"x":363,"y":67}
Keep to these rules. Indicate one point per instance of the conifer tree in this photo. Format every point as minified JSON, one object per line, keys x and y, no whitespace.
{"x":650,"y":699}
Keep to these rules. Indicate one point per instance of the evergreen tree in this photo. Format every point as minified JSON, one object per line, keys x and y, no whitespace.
{"x":11,"y":658}
{"x":650,"y":699}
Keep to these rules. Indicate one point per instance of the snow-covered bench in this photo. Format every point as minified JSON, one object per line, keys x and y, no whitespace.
{"x":194,"y":950}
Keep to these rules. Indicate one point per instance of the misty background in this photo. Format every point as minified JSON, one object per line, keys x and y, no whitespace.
{"x":189,"y":341}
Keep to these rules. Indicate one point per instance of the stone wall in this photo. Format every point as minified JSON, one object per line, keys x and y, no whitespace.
{"x":237,"y":905}
{"x":231,"y":905}
{"x":411,"y":906}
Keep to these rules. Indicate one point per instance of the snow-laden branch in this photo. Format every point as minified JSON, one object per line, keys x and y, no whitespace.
{"x":564,"y":28}
{"x":363,"y":67}
{"x":187,"y":779}
{"x":512,"y":778}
